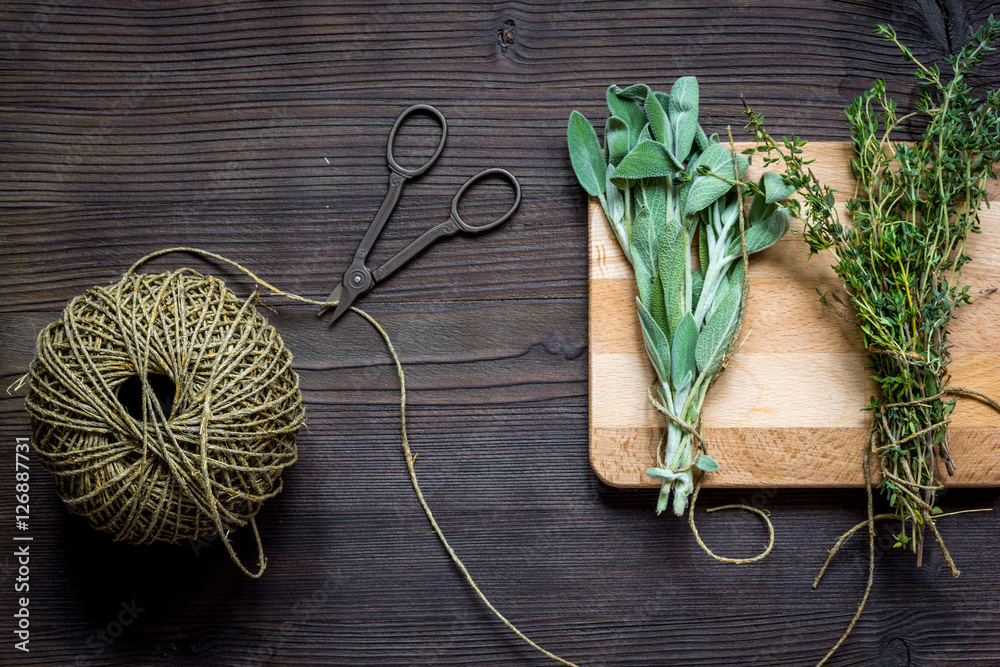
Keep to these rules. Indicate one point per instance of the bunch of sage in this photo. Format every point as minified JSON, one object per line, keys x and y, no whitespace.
{"x":672,"y":196}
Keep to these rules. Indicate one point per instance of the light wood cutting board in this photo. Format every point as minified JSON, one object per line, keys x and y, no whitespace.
{"x":788,"y":409}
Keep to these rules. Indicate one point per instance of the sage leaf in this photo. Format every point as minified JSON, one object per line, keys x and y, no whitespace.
{"x":706,"y":188}
{"x":645,"y":278}
{"x":719,"y":160}
{"x":648,"y":159}
{"x":706,"y":463}
{"x":652,"y":195}
{"x":637,"y":92}
{"x":703,"y":257}
{"x":703,"y":192}
{"x":628,"y":111}
{"x":718,"y":332}
{"x":697,"y":283}
{"x":764,"y":233}
{"x":682,"y":352}
{"x":776,"y":187}
{"x":701,"y":139}
{"x":644,"y":242}
{"x":586,"y":155}
{"x":645,"y":135}
{"x":616,"y":139}
{"x":760,"y":209}
{"x":683,"y":111}
{"x":657,"y":345}
{"x":659,"y":122}
{"x":616,"y":212}
{"x":672,"y":268}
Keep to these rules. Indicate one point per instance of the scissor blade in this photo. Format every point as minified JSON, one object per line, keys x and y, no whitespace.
{"x":336,"y":295}
{"x":341,"y":308}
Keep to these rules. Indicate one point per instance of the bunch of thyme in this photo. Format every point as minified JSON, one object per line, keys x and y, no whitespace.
{"x":901,"y":259}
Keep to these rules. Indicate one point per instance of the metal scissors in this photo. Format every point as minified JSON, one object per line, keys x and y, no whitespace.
{"x":358,"y":279}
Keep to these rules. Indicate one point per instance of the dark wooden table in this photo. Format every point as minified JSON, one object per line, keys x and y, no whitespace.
{"x":257,"y":130}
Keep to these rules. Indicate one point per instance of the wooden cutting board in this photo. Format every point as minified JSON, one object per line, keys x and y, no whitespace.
{"x":787,"y":410}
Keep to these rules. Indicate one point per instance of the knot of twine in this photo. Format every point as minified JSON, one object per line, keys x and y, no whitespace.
{"x":703,"y":447}
{"x":199,"y":467}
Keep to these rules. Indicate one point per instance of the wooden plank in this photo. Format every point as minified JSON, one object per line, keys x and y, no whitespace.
{"x":787,"y":411}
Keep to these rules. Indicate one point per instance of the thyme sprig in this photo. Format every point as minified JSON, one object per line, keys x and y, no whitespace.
{"x":902,"y":254}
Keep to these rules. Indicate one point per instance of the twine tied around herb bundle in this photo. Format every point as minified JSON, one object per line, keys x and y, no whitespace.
{"x":205,"y":464}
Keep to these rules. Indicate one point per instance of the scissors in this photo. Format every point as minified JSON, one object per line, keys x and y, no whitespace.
{"x":358,"y":279}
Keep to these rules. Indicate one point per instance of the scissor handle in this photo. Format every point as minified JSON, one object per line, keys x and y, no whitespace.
{"x":450,"y":226}
{"x":475,"y":229}
{"x":410,"y":173}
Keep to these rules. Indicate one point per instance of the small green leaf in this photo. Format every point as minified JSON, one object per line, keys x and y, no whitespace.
{"x":706,"y":188}
{"x":760,"y":209}
{"x":672,"y":267}
{"x":645,"y":135}
{"x":682,"y":352}
{"x":616,"y":139}
{"x":764,"y":234}
{"x":644,"y":278}
{"x":644,"y":242}
{"x":719,"y":160}
{"x":936,"y":510}
{"x":585,"y":154}
{"x":703,"y":248}
{"x":637,"y":92}
{"x":616,"y":212}
{"x":646,"y":160}
{"x":775,"y":187}
{"x":628,"y":111}
{"x":658,"y":120}
{"x":701,"y":139}
{"x":697,"y":284}
{"x":718,"y":332}
{"x":704,"y":191}
{"x":706,"y":463}
{"x":683,"y":112}
{"x":657,"y":345}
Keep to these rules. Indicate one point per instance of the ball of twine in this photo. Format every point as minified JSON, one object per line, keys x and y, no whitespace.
{"x":165,"y":407}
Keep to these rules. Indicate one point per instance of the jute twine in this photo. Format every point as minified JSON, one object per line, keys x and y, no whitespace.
{"x":205,"y":466}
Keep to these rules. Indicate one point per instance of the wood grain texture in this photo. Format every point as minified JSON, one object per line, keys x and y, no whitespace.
{"x":788,"y":409}
{"x":256,"y":129}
